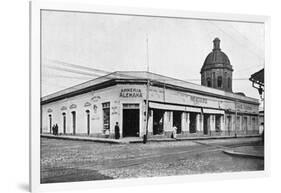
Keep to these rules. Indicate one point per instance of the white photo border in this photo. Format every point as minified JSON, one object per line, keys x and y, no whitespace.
{"x":35,"y":90}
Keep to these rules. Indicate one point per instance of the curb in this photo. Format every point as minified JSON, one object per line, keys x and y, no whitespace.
{"x":114,"y":141}
{"x":240,"y":154}
{"x":111,"y":141}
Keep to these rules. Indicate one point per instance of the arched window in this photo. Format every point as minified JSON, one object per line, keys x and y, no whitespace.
{"x":229,"y":82}
{"x":209,"y":83}
{"x":74,"y":122}
{"x":50,"y":123}
{"x":64,"y":122}
{"x":219,"y":81}
{"x":214,"y":79}
{"x":88,"y":121}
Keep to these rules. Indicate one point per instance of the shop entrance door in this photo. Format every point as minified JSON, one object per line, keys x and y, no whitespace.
{"x":131,"y":121}
{"x":245,"y":124}
{"x":206,"y":124}
{"x":192,"y":123}
{"x":158,"y":121}
{"x":177,"y":120}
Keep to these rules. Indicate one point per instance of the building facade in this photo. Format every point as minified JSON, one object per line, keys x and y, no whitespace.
{"x":93,"y":108}
{"x":147,"y":103}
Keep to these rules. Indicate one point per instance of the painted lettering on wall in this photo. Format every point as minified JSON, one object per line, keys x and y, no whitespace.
{"x":114,"y":110}
{"x":240,"y":106}
{"x":130,"y":93}
{"x":198,"y":99}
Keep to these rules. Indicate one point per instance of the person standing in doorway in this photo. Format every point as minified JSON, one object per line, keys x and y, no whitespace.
{"x":174,"y":134}
{"x":117,"y":131}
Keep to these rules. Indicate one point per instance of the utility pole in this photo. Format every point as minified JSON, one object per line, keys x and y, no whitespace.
{"x":235,"y":118}
{"x":147,"y":93}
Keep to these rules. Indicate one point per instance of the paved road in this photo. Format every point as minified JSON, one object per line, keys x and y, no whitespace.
{"x":63,"y":160}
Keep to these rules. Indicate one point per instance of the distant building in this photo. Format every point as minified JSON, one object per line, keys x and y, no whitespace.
{"x":257,"y":80}
{"x":93,"y":108}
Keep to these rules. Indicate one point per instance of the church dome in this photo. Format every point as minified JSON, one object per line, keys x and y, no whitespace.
{"x":216,"y":71}
{"x":216,"y":58}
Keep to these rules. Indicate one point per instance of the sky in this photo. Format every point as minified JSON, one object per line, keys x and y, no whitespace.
{"x":77,"y":47}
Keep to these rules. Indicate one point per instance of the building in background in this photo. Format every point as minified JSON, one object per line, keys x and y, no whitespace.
{"x":257,"y":80}
{"x":147,"y":103}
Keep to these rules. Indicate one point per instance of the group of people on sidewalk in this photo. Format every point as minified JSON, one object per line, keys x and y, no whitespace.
{"x":55,"y":129}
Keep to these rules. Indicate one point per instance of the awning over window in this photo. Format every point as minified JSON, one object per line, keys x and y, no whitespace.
{"x":213,"y":111}
{"x":173,"y":107}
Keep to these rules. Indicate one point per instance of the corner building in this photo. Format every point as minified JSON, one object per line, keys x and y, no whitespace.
{"x":93,"y":108}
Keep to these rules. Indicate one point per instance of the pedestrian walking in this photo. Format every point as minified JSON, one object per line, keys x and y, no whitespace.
{"x":117,"y":131}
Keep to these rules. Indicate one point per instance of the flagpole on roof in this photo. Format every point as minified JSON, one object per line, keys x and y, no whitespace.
{"x":147,"y":55}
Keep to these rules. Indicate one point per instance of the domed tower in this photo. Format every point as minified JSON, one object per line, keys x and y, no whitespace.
{"x":216,"y":71}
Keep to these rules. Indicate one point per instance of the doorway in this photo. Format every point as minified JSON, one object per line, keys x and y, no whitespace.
{"x":88,"y":121}
{"x":245,"y":122}
{"x":228,"y":123}
{"x":64,"y":123}
{"x":74,"y":122}
{"x":177,"y":120}
{"x":158,"y":121}
{"x":206,"y":124}
{"x":218,"y":123}
{"x":50,"y":123}
{"x":192,"y":123}
{"x":131,"y":122}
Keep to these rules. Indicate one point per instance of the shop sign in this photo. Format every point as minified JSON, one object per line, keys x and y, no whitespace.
{"x":197,"y":100}
{"x":130,"y":93}
{"x":245,"y":107}
{"x":114,"y":110}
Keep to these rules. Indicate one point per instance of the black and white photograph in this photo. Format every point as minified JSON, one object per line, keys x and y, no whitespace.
{"x":126,"y":96}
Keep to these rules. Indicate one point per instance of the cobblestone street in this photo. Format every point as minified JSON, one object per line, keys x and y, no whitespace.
{"x":66,"y":160}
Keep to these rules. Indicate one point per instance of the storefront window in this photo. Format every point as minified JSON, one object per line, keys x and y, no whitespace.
{"x":50,"y":123}
{"x":106,"y":116}
{"x":158,"y":121}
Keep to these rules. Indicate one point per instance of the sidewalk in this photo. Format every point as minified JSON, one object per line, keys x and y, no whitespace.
{"x":128,"y":140}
